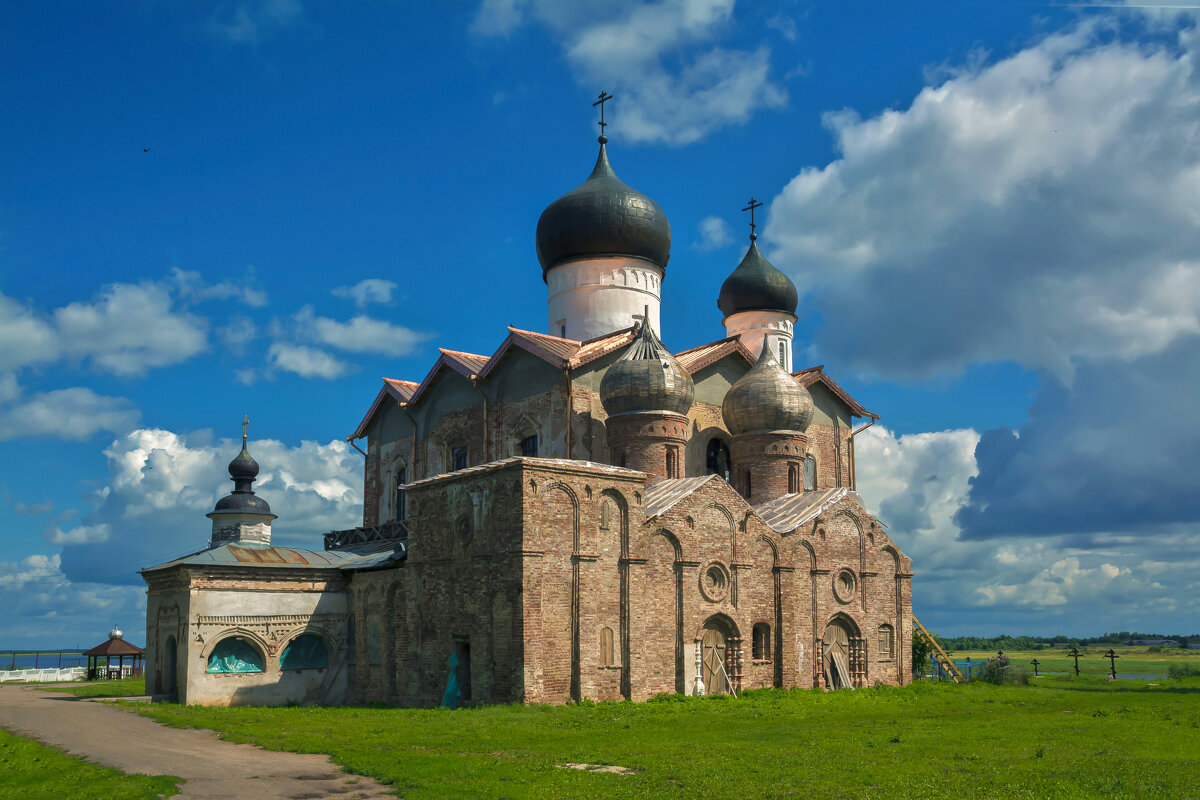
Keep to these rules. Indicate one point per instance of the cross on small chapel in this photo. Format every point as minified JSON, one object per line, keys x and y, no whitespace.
{"x":753,"y":205}
{"x":604,"y":98}
{"x":245,"y":422}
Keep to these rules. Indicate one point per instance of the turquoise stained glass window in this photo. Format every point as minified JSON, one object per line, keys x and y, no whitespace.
{"x":304,"y":652}
{"x":235,"y":655}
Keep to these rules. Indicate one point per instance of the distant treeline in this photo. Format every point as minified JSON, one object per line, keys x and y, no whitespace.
{"x":1042,"y":642}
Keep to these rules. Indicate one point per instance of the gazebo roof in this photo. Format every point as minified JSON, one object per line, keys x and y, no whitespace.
{"x":115,"y":647}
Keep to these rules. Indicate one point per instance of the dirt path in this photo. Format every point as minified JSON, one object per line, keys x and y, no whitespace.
{"x":214,"y":769}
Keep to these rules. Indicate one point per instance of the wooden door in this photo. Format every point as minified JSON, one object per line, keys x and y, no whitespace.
{"x":712,"y":649}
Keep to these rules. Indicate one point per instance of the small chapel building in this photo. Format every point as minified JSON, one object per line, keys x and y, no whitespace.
{"x":582,"y":514}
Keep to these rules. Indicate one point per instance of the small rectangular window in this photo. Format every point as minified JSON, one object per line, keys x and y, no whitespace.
{"x":783,"y":354}
{"x":607,"y":657}
{"x":529,"y":446}
{"x":459,"y":457}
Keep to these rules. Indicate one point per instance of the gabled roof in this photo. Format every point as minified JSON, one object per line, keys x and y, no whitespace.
{"x":807,"y":377}
{"x":603,"y":345}
{"x":789,"y":512}
{"x":554,"y":350}
{"x":661,"y":496}
{"x":697,"y":358}
{"x":115,"y":647}
{"x":465,"y":364}
{"x":400,"y":391}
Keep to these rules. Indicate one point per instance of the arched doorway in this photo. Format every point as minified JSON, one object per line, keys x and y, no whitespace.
{"x":717,"y":458}
{"x":169,"y":672}
{"x":839,"y":644}
{"x":718,"y":655}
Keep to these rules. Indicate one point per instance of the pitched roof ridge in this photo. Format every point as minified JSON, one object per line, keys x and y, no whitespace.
{"x":523,"y":332}
{"x":449,"y":352}
{"x":715,"y":343}
{"x":618,"y":332}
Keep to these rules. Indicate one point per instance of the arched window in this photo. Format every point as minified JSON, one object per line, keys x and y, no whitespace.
{"x":885,"y":642}
{"x":306,"y":651}
{"x":529,"y":446}
{"x":672,"y":462}
{"x":783,"y":362}
{"x":793,"y":478}
{"x":607,"y":658}
{"x":401,"y":494}
{"x":458,"y":457}
{"x":718,"y":458}
{"x":761,"y":649}
{"x":810,"y":474}
{"x":235,"y":655}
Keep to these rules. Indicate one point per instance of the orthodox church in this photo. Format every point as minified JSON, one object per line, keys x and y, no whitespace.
{"x":583,"y":513}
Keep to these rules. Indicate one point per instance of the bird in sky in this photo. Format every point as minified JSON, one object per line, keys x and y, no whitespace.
{"x":145,"y":149}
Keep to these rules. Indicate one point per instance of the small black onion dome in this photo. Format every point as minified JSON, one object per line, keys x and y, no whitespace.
{"x":603,"y":217}
{"x":756,"y":285}
{"x":646,"y":378}
{"x":767,"y":398}
{"x":243,"y":465}
{"x":242,"y":500}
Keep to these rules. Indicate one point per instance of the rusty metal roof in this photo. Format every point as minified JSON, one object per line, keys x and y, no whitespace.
{"x":697,"y":358}
{"x":554,"y":350}
{"x":366,"y":556}
{"x":664,"y":494}
{"x":603,"y":345}
{"x":402,"y":391}
{"x":237,"y":555}
{"x":791,"y":511}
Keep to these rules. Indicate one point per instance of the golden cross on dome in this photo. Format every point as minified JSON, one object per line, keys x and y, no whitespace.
{"x":753,"y":205}
{"x":604,"y":98}
{"x":245,"y":422}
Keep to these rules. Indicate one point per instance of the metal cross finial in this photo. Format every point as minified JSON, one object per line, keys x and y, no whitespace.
{"x":753,"y":205}
{"x":604,"y":98}
{"x":245,"y":422}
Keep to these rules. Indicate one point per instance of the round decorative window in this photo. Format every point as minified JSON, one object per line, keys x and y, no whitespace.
{"x":844,"y":585}
{"x":714,"y":582}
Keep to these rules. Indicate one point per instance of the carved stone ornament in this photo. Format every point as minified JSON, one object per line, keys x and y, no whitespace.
{"x":714,"y":581}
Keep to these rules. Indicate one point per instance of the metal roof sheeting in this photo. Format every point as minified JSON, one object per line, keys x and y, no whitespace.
{"x":664,"y":494}
{"x":789,"y":512}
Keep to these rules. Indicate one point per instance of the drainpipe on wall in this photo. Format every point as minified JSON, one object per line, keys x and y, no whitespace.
{"x":567,"y":377}
{"x":487,"y":457}
{"x":853,"y":433}
{"x":350,"y":439}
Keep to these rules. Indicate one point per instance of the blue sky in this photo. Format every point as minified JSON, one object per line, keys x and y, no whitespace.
{"x":990,"y":210}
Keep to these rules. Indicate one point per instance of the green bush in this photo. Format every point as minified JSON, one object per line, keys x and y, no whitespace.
{"x":1000,"y":672}
{"x":1182,"y":671}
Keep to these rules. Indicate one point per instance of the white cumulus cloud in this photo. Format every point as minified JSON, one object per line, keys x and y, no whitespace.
{"x":72,"y":414}
{"x":365,"y":292}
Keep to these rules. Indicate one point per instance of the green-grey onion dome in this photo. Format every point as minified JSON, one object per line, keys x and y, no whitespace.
{"x":646,"y":378}
{"x":603,"y":217}
{"x":767,"y":398}
{"x":756,"y":285}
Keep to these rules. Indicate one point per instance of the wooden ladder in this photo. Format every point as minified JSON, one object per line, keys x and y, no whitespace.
{"x":938,"y":653}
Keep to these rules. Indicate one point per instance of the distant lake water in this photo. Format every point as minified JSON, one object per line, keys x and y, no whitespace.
{"x":44,"y":661}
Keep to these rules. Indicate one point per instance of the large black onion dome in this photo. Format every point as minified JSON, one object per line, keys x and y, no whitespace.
{"x":767,"y":398}
{"x":603,"y":217}
{"x":242,"y":500}
{"x":646,"y":378}
{"x":756,"y":285}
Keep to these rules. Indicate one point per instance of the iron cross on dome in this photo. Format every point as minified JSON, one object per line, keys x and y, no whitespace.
{"x":245,"y":422}
{"x":753,"y":205}
{"x":604,"y":98}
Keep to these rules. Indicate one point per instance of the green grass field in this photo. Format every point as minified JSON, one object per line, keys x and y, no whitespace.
{"x":125,"y":687}
{"x":1063,"y":737}
{"x":1136,"y":660}
{"x":30,"y":771}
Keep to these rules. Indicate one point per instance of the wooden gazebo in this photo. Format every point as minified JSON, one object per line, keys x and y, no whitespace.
{"x":100,"y":658}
